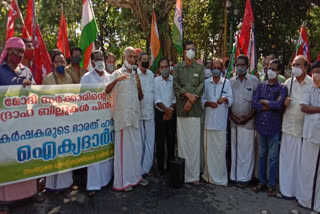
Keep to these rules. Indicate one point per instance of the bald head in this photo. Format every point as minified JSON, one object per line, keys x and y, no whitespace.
{"x":217,"y":63}
{"x":301,"y":62}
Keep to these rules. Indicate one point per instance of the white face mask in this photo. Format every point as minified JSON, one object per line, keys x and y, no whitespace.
{"x":128,"y":65}
{"x":171,"y":68}
{"x":190,"y":54}
{"x":100,"y":66}
{"x":296,"y":71}
{"x":272,"y":74}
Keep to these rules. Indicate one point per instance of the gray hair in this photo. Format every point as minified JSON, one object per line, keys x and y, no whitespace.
{"x":142,"y":53}
{"x":126,"y":49}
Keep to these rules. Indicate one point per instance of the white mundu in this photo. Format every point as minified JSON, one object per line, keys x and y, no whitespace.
{"x":215,"y":169}
{"x":291,"y":140}
{"x":242,"y":136}
{"x":309,"y":168}
{"x":100,"y":174}
{"x":128,"y":145}
{"x":147,"y":125}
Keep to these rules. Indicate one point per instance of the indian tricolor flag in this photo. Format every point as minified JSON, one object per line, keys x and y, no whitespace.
{"x":177,"y":30}
{"x":89,"y":30}
{"x":155,"y":44}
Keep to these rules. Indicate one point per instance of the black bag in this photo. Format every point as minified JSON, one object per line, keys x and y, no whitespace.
{"x":176,"y":172}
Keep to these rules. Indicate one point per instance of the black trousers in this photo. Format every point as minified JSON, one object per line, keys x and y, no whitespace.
{"x":165,"y":133}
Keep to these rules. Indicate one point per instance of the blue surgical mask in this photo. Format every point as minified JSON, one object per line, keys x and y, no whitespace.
{"x":216,"y":72}
{"x":60,"y":69}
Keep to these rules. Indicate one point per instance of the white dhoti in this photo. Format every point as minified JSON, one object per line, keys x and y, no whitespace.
{"x":215,"y":168}
{"x":188,"y":133}
{"x":147,"y":129}
{"x":127,"y":158}
{"x":242,"y":154}
{"x":59,"y":181}
{"x":307,"y":179}
{"x":290,"y":153}
{"x":99,"y":175}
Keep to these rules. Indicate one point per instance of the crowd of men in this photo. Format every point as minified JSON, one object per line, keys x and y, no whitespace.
{"x":154,"y":113}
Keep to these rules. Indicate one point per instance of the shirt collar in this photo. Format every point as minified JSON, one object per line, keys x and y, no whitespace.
{"x":140,"y":72}
{"x":184,"y":63}
{"x":275,"y":84}
{"x":96,"y":73}
{"x":306,"y":80}
{"x":245,"y":77}
{"x":169,"y":79}
{"x":220,"y":81}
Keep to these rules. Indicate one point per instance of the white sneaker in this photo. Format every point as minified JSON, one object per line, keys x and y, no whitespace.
{"x":144,"y":182}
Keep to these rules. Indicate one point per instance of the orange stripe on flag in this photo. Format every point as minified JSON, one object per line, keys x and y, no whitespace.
{"x":87,"y":56}
{"x":155,"y":42}
{"x":179,"y":4}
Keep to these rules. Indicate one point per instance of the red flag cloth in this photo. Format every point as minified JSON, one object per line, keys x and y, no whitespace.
{"x":302,"y":47}
{"x":318,"y":57}
{"x":42,"y":63}
{"x":27,"y":29}
{"x":248,"y":19}
{"x":13,"y":14}
{"x":304,"y":44}
{"x":62,"y":42}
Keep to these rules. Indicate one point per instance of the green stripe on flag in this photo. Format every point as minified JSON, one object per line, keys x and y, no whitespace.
{"x":177,"y":40}
{"x":155,"y":62}
{"x":88,"y":34}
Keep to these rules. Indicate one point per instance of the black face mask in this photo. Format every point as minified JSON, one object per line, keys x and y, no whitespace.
{"x":145,"y":65}
{"x":76,"y":59}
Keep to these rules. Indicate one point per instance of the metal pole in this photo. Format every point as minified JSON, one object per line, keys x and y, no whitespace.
{"x":236,"y":169}
{"x":225,"y":30}
{"x":33,"y":37}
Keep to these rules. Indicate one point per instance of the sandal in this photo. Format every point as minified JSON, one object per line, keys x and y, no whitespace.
{"x":259,"y":187}
{"x":91,"y":193}
{"x":242,"y":185}
{"x":295,"y":211}
{"x":272,"y":191}
{"x":265,"y":212}
{"x":39,"y":197}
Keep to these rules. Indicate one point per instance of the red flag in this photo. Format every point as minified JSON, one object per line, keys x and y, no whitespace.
{"x":318,"y":57}
{"x":247,"y":21}
{"x":27,"y":29}
{"x":42,"y":61}
{"x":42,"y":58}
{"x":62,"y":42}
{"x":13,"y":14}
{"x":302,"y":47}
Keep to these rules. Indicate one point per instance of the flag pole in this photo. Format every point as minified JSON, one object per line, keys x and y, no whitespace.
{"x":20,"y":15}
{"x":33,"y":36}
{"x":64,"y":45}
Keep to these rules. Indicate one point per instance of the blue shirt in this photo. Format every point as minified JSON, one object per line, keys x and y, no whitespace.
{"x":269,"y":122}
{"x":9,"y":77}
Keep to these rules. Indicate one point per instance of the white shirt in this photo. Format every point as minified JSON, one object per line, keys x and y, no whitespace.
{"x":93,"y":77}
{"x":147,"y":85}
{"x":163,"y":92}
{"x":126,"y":109}
{"x":311,"y":128}
{"x":216,"y":119}
{"x":293,"y":117}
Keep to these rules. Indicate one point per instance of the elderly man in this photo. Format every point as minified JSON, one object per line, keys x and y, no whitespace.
{"x":147,"y":112}
{"x":126,"y":87}
{"x":165,"y":103}
{"x":268,"y":101}
{"x":74,"y":69}
{"x":309,"y":169}
{"x":216,"y":100}
{"x":100,"y":174}
{"x":292,"y":127}
{"x":58,"y":76}
{"x":110,"y":63}
{"x":242,"y":123}
{"x":188,"y":83}
{"x":12,"y":74}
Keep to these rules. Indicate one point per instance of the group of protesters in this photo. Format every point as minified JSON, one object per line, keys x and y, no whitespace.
{"x":190,"y":107}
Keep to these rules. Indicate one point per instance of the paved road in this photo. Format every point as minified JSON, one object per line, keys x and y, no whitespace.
{"x":158,"y":197}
